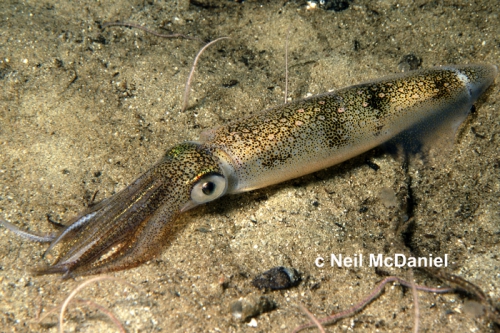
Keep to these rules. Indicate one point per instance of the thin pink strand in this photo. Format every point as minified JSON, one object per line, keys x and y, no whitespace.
{"x":375,"y":292}
{"x":188,"y":83}
{"x":313,"y":319}
{"x":80,"y":287}
{"x":416,"y":306}
{"x":107,"y":312}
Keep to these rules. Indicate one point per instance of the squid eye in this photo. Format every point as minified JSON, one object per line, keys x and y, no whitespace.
{"x":208,"y":188}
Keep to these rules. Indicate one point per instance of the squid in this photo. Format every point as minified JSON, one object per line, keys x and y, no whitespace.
{"x":278,"y":144}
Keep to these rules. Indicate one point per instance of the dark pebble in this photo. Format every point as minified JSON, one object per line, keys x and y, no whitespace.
{"x":277,"y":278}
{"x":363,"y":209}
{"x":335,"y":5}
{"x":372,"y":165}
{"x":230,"y":83}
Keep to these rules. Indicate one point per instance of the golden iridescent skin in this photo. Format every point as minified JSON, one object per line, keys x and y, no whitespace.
{"x":278,"y":144}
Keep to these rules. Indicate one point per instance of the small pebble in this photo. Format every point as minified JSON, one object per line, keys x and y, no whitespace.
{"x":277,"y":278}
{"x":252,"y":323}
{"x":372,"y":165}
{"x":251,"y":306}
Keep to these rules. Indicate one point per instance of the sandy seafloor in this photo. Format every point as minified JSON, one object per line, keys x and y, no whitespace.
{"x":85,"y":110}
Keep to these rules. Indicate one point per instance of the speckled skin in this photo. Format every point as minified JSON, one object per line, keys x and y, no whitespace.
{"x":278,"y":144}
{"x":308,"y":135}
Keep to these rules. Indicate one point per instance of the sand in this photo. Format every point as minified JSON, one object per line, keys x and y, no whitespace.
{"x":84,"y":110}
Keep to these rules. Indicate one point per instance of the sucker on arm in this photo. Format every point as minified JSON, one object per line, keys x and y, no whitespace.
{"x":278,"y":144}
